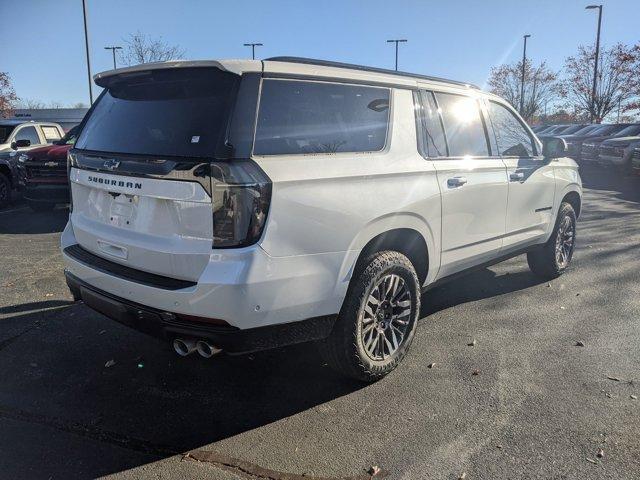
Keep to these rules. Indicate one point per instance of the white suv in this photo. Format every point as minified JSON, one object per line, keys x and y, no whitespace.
{"x":244,"y":205}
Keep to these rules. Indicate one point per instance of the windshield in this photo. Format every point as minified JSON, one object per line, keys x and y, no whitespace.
{"x":172,"y":112}
{"x":571,"y":129}
{"x":5,"y":132}
{"x":587,"y":129}
{"x":70,"y":137}
{"x":630,"y":131}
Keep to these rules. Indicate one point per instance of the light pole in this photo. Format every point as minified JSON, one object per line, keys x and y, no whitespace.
{"x":253,"y":48}
{"x":113,"y":50}
{"x":397,"y":41}
{"x":86,"y":46}
{"x":524,"y":62}
{"x":595,"y":68}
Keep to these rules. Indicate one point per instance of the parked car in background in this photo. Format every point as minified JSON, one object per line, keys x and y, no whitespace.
{"x":617,"y":151}
{"x":591,"y":146}
{"x":575,"y":142}
{"x":563,"y":131}
{"x":17,"y":137}
{"x":243,"y":205}
{"x":43,"y":173}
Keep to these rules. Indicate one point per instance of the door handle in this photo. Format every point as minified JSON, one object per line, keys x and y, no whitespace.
{"x":516,"y":176}
{"x":456,"y":181}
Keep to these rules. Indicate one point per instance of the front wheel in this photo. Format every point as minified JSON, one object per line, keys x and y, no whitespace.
{"x":554,"y":257}
{"x":377,"y":322}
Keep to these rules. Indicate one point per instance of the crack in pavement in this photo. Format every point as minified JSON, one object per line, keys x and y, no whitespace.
{"x":255,"y":471}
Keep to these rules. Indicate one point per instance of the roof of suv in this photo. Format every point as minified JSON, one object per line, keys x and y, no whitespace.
{"x":291,"y":65}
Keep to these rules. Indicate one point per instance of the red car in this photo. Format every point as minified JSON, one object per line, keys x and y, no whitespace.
{"x":43,"y":178}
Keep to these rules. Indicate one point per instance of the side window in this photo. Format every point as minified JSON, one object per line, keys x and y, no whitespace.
{"x":51,"y":134}
{"x":513,"y":139}
{"x":28,"y":133}
{"x":313,"y":117}
{"x":435,"y":144}
{"x":463,"y":125}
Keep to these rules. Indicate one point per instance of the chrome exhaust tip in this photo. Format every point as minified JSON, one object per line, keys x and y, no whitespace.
{"x":206,"y":350}
{"x":184,"y":346}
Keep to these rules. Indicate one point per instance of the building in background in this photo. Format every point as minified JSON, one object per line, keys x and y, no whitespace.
{"x":65,"y":117}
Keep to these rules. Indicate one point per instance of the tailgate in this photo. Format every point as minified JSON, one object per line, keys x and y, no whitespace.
{"x":162,"y":226}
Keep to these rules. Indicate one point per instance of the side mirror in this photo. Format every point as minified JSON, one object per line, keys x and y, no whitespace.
{"x":554,"y":147}
{"x":20,"y":144}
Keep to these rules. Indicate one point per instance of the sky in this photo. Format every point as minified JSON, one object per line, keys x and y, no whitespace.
{"x":43,"y":40}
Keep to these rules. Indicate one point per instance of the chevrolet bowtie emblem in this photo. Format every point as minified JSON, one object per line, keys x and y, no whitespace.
{"x":51,"y":164}
{"x":111,"y":164}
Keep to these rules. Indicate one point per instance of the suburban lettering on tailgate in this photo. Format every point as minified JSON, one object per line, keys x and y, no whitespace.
{"x":115,"y":183}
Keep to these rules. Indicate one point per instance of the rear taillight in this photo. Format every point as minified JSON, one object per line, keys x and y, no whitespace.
{"x":71,"y":160}
{"x":241,"y":193}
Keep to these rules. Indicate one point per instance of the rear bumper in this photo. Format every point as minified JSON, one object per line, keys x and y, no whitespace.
{"x":167,"y":325}
{"x":44,"y":192}
{"x":246,"y":288}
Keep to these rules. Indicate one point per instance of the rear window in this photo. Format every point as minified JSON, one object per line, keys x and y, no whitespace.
{"x":5,"y":131}
{"x":177,"y":112}
{"x":298,"y":117}
{"x":51,"y":134}
{"x":630,"y":131}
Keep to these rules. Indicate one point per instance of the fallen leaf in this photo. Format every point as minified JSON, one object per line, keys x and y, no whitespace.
{"x":373,"y":470}
{"x":110,"y":363}
{"x":48,"y":294}
{"x":600,"y":453}
{"x":475,"y":372}
{"x":633,"y":397}
{"x":562,"y":308}
{"x":431,"y":365}
{"x":592,"y":461}
{"x":499,"y":446}
{"x":102,"y":332}
{"x":462,"y":476}
{"x":579,"y":343}
{"x":472,"y":343}
{"x":577,"y":294}
{"x":615,"y":379}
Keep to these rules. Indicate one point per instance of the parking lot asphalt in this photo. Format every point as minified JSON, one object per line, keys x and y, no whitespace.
{"x":540,"y":407}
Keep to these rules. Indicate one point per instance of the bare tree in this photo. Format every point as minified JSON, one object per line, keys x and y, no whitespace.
{"x":7,"y":95}
{"x":540,"y":87}
{"x":618,"y":80}
{"x":30,"y":104}
{"x":141,"y":48}
{"x":79,"y":105}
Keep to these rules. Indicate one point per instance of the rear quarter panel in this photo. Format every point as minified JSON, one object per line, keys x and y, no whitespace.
{"x":324,"y":203}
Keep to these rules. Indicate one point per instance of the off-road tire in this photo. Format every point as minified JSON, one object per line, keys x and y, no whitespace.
{"x":344,"y":349}
{"x":41,"y":206}
{"x":5,"y":190}
{"x":544,"y":261}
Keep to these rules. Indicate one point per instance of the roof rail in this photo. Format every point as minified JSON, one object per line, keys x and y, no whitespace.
{"x":327,"y":63}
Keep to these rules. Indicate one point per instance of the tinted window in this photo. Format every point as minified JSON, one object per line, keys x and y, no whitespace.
{"x":180,"y":112}
{"x":463,"y":125}
{"x":50,"y":134}
{"x":28,"y":133}
{"x":511,"y":136}
{"x":585,"y":130}
{"x":5,"y":131}
{"x":313,"y":117}
{"x":432,"y":126}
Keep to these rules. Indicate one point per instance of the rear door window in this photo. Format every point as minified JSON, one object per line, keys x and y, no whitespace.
{"x":430,"y":123}
{"x":28,"y":133}
{"x":463,"y":125}
{"x":298,"y":117}
{"x":512,"y":137}
{"x":174,"y":112}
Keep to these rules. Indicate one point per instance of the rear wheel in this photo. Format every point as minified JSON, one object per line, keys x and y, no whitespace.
{"x":554,"y":257}
{"x":41,"y":206}
{"x":5,"y":190}
{"x":377,"y":322}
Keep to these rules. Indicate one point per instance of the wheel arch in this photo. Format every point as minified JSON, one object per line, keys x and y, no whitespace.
{"x":407,"y":233}
{"x":574,"y":199}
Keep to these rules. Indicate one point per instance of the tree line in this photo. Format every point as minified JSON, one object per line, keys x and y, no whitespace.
{"x":566,"y":95}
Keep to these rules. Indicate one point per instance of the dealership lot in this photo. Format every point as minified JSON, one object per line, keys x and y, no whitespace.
{"x":539,"y":407}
